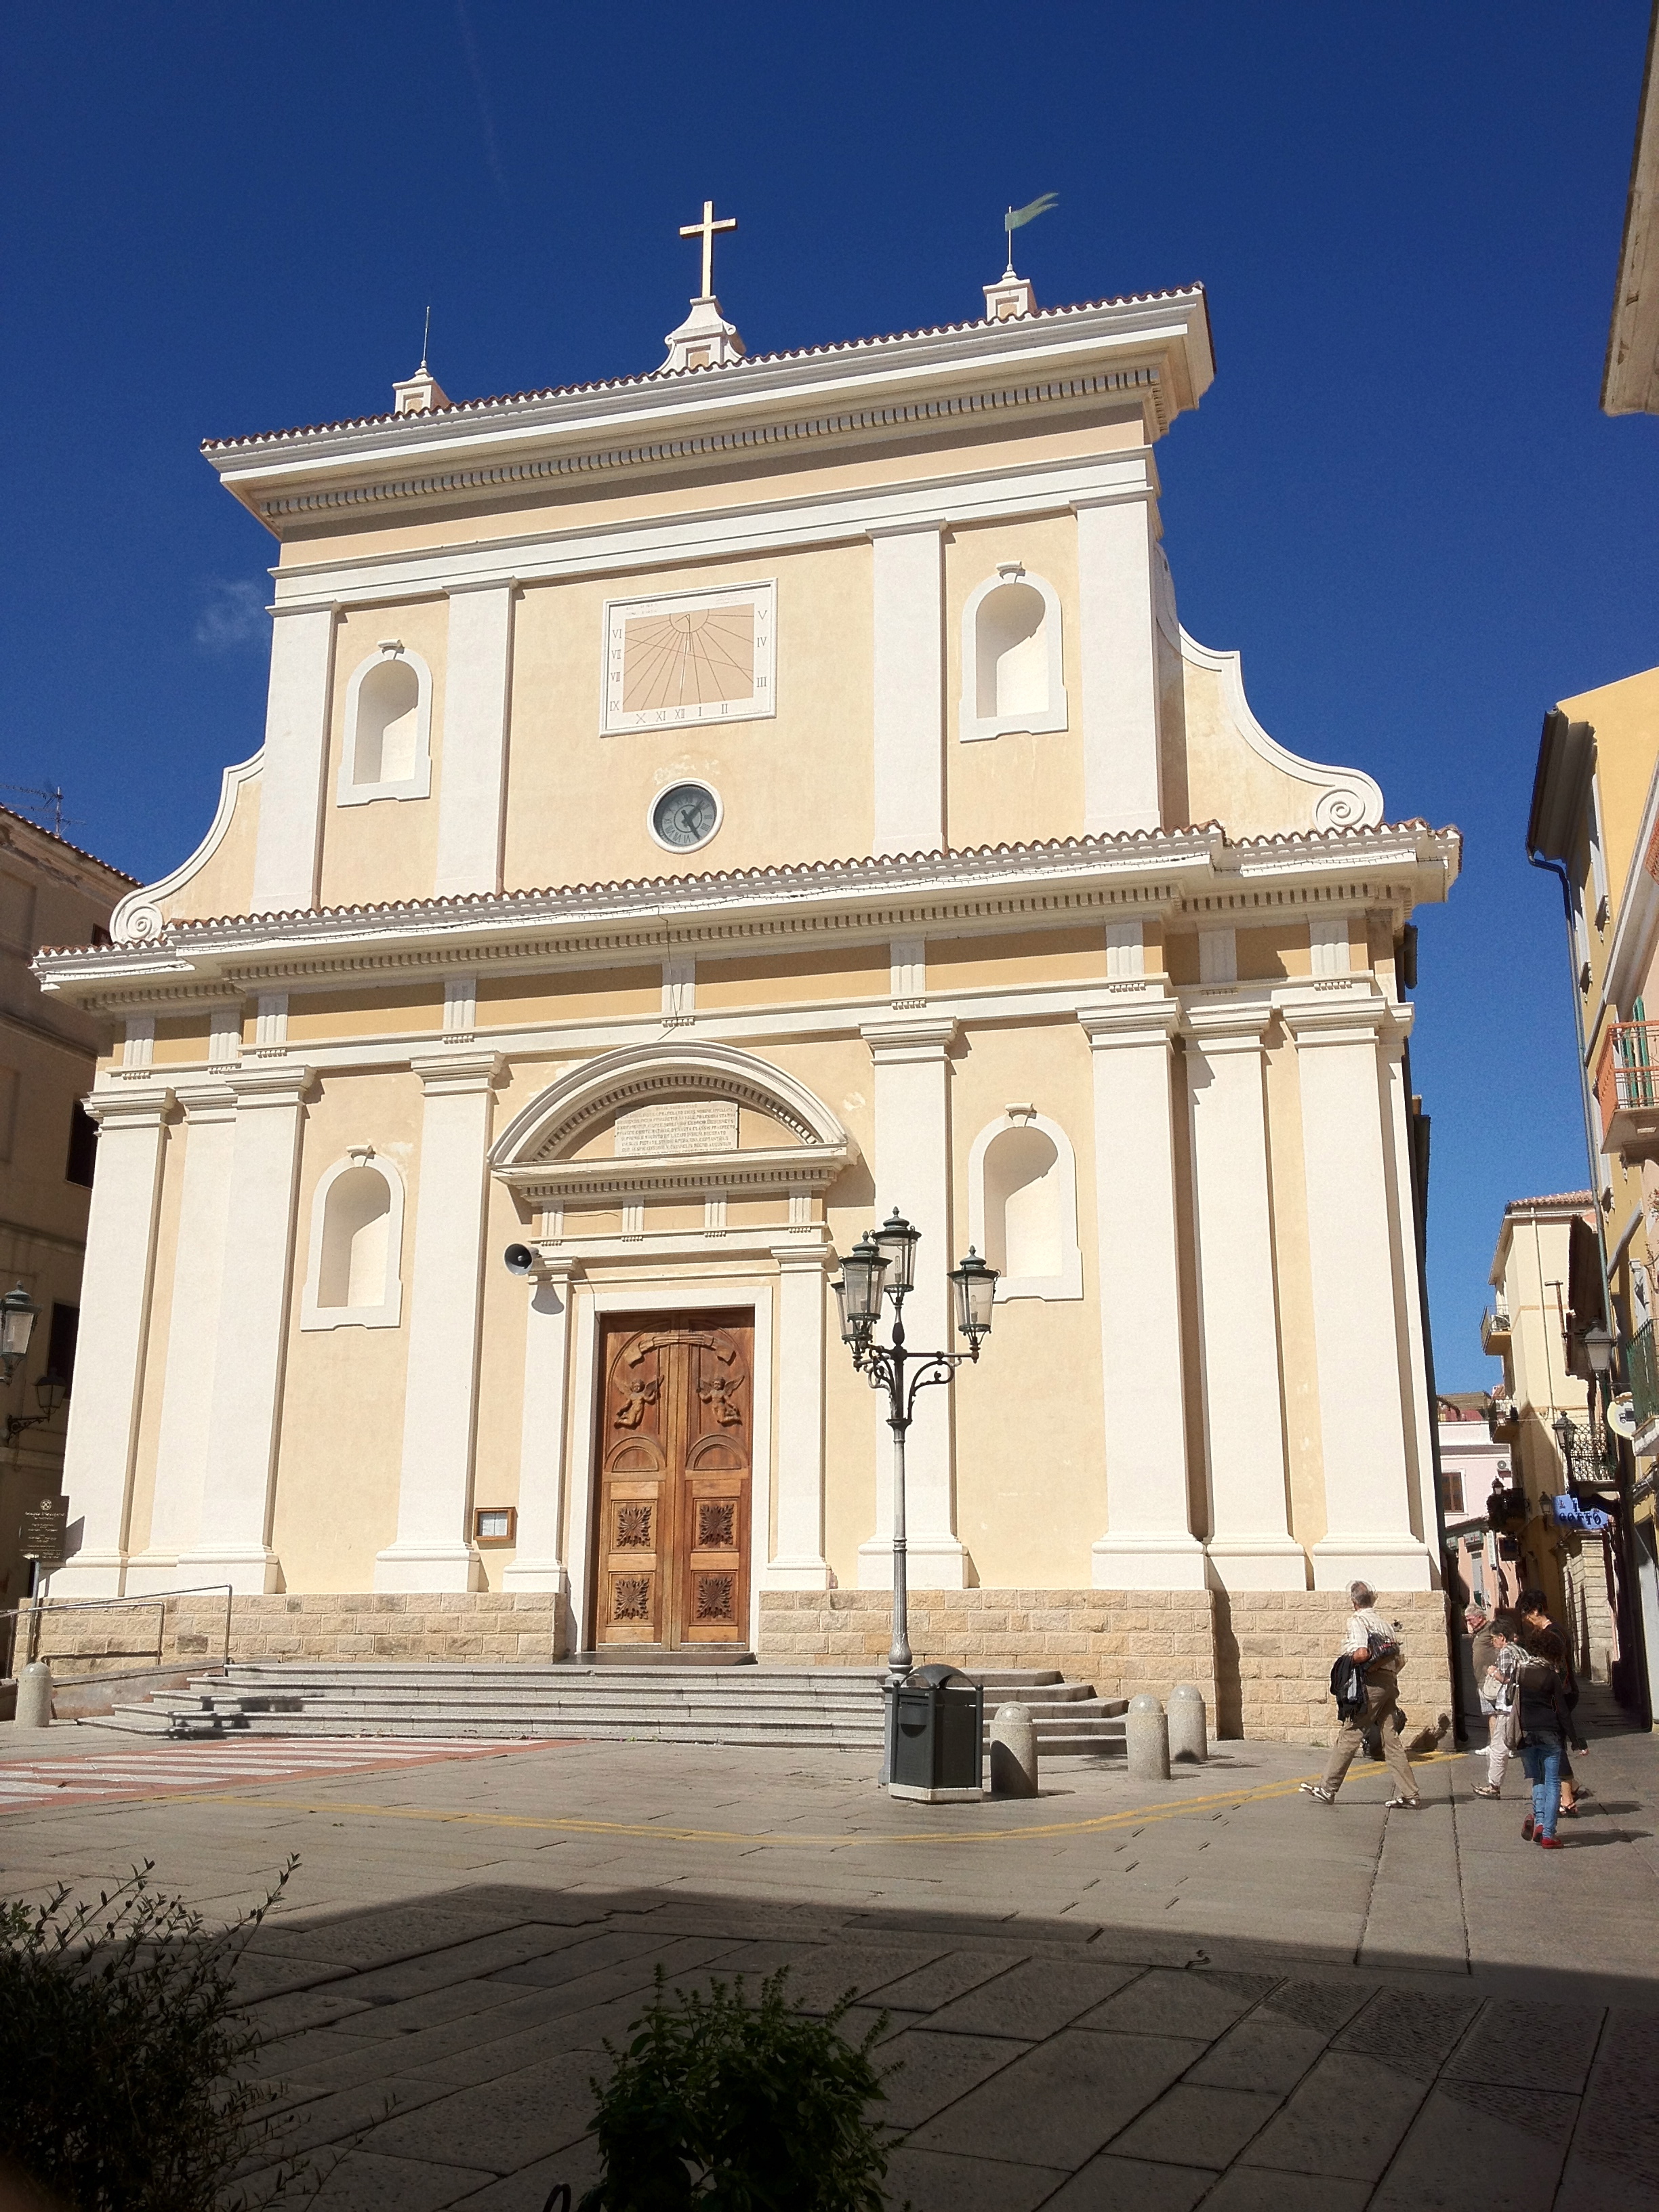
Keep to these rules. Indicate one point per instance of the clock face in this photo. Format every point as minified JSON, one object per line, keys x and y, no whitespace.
{"x":697,"y":657}
{"x":685,"y":815}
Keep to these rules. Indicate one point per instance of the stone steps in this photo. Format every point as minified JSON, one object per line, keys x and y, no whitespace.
{"x":809,"y":1708}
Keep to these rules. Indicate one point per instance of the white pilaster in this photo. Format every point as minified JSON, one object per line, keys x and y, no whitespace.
{"x":296,"y":760}
{"x":1357,"y":1269}
{"x":472,"y":779}
{"x":798,"y":1562}
{"x":1149,"y":1543}
{"x":912,"y":1173}
{"x":1250,"y":1544}
{"x":433,"y":1550}
{"x":910,"y":690}
{"x":538,"y":1563}
{"x":1122,"y":775}
{"x":115,"y":1299}
{"x":245,"y":1410}
{"x":198,"y":1273}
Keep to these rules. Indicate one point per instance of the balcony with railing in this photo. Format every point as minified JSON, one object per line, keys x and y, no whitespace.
{"x":1627,"y":1087}
{"x":1495,"y":1330}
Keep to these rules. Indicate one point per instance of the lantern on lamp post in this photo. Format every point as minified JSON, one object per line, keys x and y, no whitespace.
{"x":883,"y":1263}
{"x":18,"y":1314}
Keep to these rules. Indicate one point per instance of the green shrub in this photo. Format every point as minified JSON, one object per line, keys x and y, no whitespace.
{"x":720,"y":2105}
{"x":123,"y":2058}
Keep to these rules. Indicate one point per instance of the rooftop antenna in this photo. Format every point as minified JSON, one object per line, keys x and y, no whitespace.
{"x":47,"y":799}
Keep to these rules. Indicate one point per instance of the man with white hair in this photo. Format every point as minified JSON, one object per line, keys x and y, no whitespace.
{"x":1374,"y":1650}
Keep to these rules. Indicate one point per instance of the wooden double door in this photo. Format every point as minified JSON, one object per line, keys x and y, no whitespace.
{"x":675,"y":1460}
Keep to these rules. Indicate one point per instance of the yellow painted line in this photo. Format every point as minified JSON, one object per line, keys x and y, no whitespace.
{"x":1132,"y":1815}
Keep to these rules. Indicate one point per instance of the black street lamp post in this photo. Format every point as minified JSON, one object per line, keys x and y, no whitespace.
{"x":885,"y":1259}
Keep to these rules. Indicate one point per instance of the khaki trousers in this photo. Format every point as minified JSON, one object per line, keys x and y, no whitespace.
{"x":1381,"y":1700}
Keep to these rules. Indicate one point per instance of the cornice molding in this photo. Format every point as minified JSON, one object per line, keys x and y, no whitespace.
{"x":1179,"y":876}
{"x":1145,"y":385}
{"x":1155,"y":347}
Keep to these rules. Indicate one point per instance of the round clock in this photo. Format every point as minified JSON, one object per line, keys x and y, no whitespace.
{"x":684,"y":816}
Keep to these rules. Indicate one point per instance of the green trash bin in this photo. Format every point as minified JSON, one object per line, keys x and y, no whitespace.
{"x":936,"y":1736}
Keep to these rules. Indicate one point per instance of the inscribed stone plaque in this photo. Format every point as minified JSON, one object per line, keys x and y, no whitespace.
{"x":678,"y":1125}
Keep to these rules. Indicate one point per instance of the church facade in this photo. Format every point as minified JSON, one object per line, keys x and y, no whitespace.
{"x":697,"y":815}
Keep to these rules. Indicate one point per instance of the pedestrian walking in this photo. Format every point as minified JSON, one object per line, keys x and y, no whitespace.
{"x":1545,"y":1727}
{"x":1541,"y":1634}
{"x":1496,"y":1651}
{"x":1372,"y":1648}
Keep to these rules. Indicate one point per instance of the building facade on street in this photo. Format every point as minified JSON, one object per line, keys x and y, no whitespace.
{"x":697,"y":814}
{"x":49,"y":893}
{"x":1546,"y":1280}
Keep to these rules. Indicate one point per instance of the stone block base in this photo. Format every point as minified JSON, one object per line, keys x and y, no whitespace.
{"x":489,"y":1626}
{"x":1262,"y":1658}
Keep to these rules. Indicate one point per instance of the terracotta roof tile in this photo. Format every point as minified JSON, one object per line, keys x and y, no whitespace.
{"x":661,"y":376}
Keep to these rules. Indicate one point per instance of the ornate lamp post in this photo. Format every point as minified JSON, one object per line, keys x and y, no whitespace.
{"x":885,"y":1259}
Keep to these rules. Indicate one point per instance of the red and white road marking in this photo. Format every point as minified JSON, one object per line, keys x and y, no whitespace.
{"x":164,"y":1769}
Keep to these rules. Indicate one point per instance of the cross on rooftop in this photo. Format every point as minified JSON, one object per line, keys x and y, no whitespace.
{"x":706,"y":230}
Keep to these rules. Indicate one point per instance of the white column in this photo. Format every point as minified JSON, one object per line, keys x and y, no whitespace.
{"x":538,"y":1563}
{"x":912,"y":1173}
{"x":295,"y":760}
{"x":1419,"y":1440}
{"x":910,"y":690}
{"x":244,"y":1412}
{"x":1149,"y":1543}
{"x":797,"y":1561}
{"x":1122,"y":774}
{"x":433,"y":1549}
{"x":472,"y":772}
{"x":115,"y":1299}
{"x":199,"y":1268}
{"x":1356,"y":1268}
{"x":1250,"y":1544}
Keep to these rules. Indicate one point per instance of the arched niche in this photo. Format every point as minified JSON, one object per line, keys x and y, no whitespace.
{"x":387,"y":752}
{"x":1011,"y":660}
{"x":354,"y":1264}
{"x":1022,"y":1206}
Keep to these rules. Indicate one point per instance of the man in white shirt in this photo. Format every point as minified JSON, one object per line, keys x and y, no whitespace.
{"x":1372,"y":1646}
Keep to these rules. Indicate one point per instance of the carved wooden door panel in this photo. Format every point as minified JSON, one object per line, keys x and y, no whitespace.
{"x":675,"y":1480}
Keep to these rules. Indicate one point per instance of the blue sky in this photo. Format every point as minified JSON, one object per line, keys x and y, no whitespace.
{"x":1399,"y":498}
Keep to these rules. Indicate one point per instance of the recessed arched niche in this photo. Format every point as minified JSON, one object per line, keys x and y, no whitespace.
{"x":387,"y":752}
{"x":1022,"y":1206}
{"x":353,"y":1268}
{"x":1011,"y":657}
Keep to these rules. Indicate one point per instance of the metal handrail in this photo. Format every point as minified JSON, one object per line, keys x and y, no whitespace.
{"x":1628,"y":1074}
{"x":36,"y":1610}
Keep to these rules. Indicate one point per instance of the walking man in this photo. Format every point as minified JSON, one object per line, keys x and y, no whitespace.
{"x":1374,"y":1650}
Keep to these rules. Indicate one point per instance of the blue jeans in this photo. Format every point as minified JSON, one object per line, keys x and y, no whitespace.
{"x":1543,"y":1763}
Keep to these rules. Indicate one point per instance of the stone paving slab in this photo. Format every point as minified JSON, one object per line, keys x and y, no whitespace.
{"x":1213,"y":1994}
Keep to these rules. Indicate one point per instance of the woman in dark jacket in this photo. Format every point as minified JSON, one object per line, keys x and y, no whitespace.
{"x":1545,"y":1729}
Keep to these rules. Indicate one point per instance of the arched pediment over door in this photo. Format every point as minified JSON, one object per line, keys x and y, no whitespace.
{"x":667,"y":1124}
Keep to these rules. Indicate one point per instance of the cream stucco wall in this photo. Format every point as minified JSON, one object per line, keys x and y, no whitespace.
{"x":798,"y":781}
{"x":386,"y":848}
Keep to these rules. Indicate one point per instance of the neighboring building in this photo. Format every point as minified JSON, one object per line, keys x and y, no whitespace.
{"x":1546,"y":1280}
{"x":688,"y":647}
{"x":1472,"y":1462}
{"x":49,"y":894}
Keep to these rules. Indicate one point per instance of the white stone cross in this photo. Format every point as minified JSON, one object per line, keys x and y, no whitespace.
{"x":706,"y":230}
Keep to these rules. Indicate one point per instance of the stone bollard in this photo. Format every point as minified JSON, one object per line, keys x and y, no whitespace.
{"x":1146,"y":1733}
{"x":1189,"y":1741}
{"x":1013,"y":1752}
{"x":34,"y":1695}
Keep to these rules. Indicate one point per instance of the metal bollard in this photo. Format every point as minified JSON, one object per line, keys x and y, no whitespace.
{"x":1013,"y":1752}
{"x":34,"y":1695}
{"x":1146,"y":1733}
{"x":1189,"y":1738}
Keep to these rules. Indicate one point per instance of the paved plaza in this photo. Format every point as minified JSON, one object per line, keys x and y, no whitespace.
{"x":1211,"y":1991}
